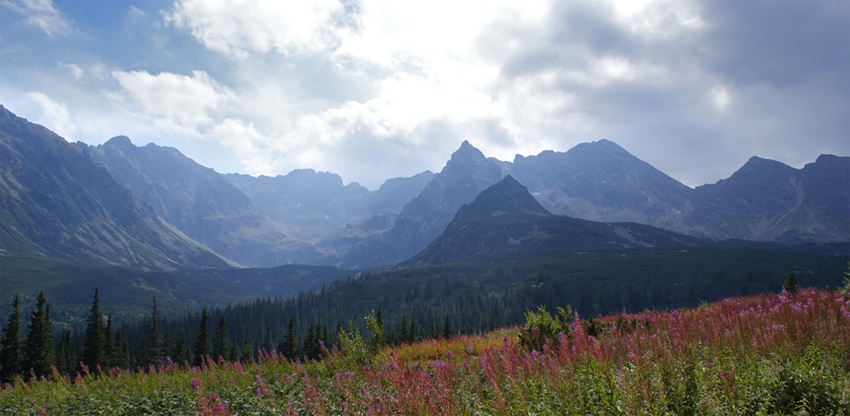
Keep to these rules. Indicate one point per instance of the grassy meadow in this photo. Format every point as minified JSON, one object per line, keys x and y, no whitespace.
{"x":770,"y":354}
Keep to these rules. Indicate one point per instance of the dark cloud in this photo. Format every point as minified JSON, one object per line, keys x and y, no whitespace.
{"x":777,"y":42}
{"x":575,"y":32}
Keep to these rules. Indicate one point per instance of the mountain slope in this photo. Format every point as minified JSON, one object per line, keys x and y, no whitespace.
{"x":600,"y":181}
{"x":770,"y":201}
{"x":199,"y":202}
{"x":765,"y":200}
{"x":506,"y":220}
{"x":57,"y":202}
{"x":421,"y":220}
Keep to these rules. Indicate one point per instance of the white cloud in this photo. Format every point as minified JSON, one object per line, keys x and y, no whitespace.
{"x":42,"y":14}
{"x":54,"y":115}
{"x":73,"y":69}
{"x":511,"y":78}
{"x":187,"y":104}
{"x":240,"y":27}
{"x":421,"y":60}
{"x":135,"y":13}
{"x":720,"y":97}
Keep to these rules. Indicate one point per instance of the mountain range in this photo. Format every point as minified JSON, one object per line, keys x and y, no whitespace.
{"x":151,"y":207}
{"x":56,"y":201}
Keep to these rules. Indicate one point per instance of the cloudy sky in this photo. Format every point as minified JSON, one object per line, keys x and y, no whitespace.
{"x":374,"y":89}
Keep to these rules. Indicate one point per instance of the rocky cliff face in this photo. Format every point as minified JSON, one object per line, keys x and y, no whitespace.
{"x":56,"y":201}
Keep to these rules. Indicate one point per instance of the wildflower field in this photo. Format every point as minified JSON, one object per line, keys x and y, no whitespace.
{"x":770,"y":354}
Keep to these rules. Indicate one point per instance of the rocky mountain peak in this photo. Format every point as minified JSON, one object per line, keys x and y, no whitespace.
{"x":120,"y":142}
{"x":600,"y":147}
{"x":505,"y":197}
{"x":467,"y":153}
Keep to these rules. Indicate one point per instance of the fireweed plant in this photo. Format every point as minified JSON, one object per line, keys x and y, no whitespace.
{"x":783,"y":353}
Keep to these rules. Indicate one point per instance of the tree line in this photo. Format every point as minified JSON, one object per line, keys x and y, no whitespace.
{"x":388,"y":309}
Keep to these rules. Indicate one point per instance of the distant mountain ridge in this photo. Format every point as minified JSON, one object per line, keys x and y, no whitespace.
{"x":317,"y":203}
{"x":161,"y":200}
{"x":505,"y":220}
{"x":600,"y":181}
{"x":199,"y":202}
{"x":766,"y":200}
{"x":465,"y":175}
{"x":55,"y":201}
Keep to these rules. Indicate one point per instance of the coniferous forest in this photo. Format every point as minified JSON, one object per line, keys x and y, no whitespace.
{"x":410,"y":305}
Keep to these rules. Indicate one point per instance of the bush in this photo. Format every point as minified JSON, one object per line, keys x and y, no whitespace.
{"x":541,"y":326}
{"x":353,"y":346}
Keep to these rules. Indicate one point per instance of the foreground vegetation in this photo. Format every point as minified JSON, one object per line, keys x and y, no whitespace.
{"x":767,"y":354}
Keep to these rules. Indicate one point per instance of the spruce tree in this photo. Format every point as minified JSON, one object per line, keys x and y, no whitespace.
{"x":202,"y":343}
{"x":290,"y":342}
{"x":93,"y":351}
{"x":267,"y":341}
{"x":109,"y":348}
{"x":307,"y":348}
{"x":318,"y":338}
{"x":790,"y":284}
{"x":180,"y":354}
{"x":39,"y":354}
{"x":220,"y":347}
{"x":66,"y":357}
{"x":12,"y":352}
{"x":403,"y":331}
{"x":247,"y":353}
{"x":122,"y":351}
{"x":154,"y":349}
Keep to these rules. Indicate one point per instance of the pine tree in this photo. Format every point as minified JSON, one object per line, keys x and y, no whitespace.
{"x":403,"y":334}
{"x":247,"y":354}
{"x":39,"y":354}
{"x":202,"y":343}
{"x":122,"y":351}
{"x":12,"y":352}
{"x":220,"y":348}
{"x":267,"y":340}
{"x":93,"y":353}
{"x":109,"y":348}
{"x":289,"y":347}
{"x":179,"y":354}
{"x":790,"y":284}
{"x":66,"y":357}
{"x":307,"y":348}
{"x":318,"y":339}
{"x":154,"y":349}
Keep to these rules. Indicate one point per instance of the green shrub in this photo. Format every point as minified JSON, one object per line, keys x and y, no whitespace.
{"x":353,"y":346}
{"x":541,"y":327}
